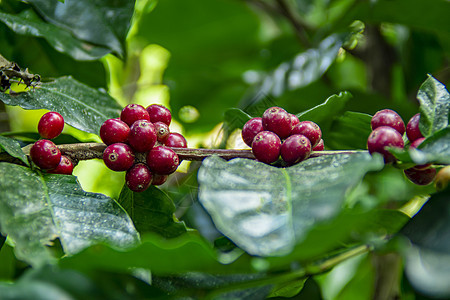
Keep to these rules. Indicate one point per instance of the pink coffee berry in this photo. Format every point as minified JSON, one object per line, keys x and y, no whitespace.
{"x":320,"y":146}
{"x":420,"y":176}
{"x":278,"y":121}
{"x":133,"y":112}
{"x":114,"y":131}
{"x":251,"y":128}
{"x":45,"y":154}
{"x":159,"y":113}
{"x":294,"y":120}
{"x":309,"y":129}
{"x":176,"y":140}
{"x":383,"y":137}
{"x":266,"y":147}
{"x":162,"y":131}
{"x":412,"y":128}
{"x":295,"y":148}
{"x":65,"y":166}
{"x":162,"y":160}
{"x":388,"y":117}
{"x":159,"y":179}
{"x":142,"y":136}
{"x":51,"y":125}
{"x":138,"y":178}
{"x":118,"y":157}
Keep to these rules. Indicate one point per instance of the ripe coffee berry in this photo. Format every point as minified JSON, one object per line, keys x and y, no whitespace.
{"x":320,"y":146}
{"x":294,"y":120}
{"x":142,"y":136}
{"x":390,"y":118}
{"x":383,"y":137}
{"x":420,"y":176}
{"x":176,"y":140}
{"x":114,"y":131}
{"x":162,"y":131}
{"x":50,"y":125}
{"x":266,"y":147}
{"x":45,"y":154}
{"x":65,"y":166}
{"x":162,"y":160}
{"x":159,"y":179}
{"x":118,"y":157}
{"x":295,"y":148}
{"x":159,"y":113}
{"x":251,"y":129}
{"x":412,"y":128}
{"x":309,"y":129}
{"x":138,"y":178}
{"x":277,"y":120}
{"x":414,"y":145}
{"x":133,"y":112}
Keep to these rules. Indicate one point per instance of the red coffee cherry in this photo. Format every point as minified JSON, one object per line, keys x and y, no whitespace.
{"x":309,"y":129}
{"x":390,"y":118}
{"x":138,"y":178}
{"x":159,"y":179}
{"x":278,"y":121}
{"x":294,"y":120}
{"x":45,"y":154}
{"x":162,"y":131}
{"x":420,"y":176}
{"x":118,"y":157}
{"x":114,"y":131}
{"x":65,"y":167}
{"x":412,"y":128}
{"x":295,"y":148}
{"x":383,"y":137}
{"x":266,"y":147}
{"x":133,"y":112}
{"x":50,"y":125}
{"x":176,"y":140}
{"x":142,"y":136}
{"x":320,"y":146}
{"x":251,"y":129}
{"x":159,"y":113}
{"x":162,"y":160}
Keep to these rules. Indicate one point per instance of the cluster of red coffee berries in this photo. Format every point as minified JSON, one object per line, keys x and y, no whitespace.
{"x":139,"y":142}
{"x":388,"y":129}
{"x":279,"y":133}
{"x":44,"y":153}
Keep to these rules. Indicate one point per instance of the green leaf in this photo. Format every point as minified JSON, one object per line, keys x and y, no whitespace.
{"x":235,"y":118}
{"x":434,"y":106}
{"x":349,"y":131}
{"x":28,"y":23}
{"x":13,"y":148}
{"x":287,"y":289}
{"x":37,"y":209}
{"x":267,"y":210}
{"x":152,"y":211}
{"x":82,"y":107}
{"x":111,"y":20}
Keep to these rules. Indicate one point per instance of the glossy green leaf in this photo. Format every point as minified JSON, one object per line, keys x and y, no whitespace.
{"x":287,"y":289}
{"x":36,"y":209}
{"x":267,"y":210}
{"x":13,"y":148}
{"x":349,"y":131}
{"x":28,"y":23}
{"x":82,"y":107}
{"x":152,"y":211}
{"x":434,"y":106}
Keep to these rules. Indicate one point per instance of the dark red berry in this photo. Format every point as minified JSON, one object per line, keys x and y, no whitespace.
{"x":266,"y":147}
{"x":294,"y":120}
{"x":309,"y":129}
{"x":320,"y":146}
{"x":114,"y":131}
{"x":162,"y":131}
{"x":421,"y":176}
{"x":176,"y":140}
{"x":118,"y":157}
{"x":133,"y":112}
{"x":383,"y":137}
{"x":159,"y":179}
{"x":412,"y":128}
{"x":277,"y":120}
{"x":65,"y":166}
{"x":51,"y":125}
{"x":251,"y":129}
{"x":159,"y":113}
{"x":45,"y":154}
{"x":388,"y":117}
{"x":162,"y":160}
{"x":142,"y":136}
{"x":138,"y":178}
{"x":295,"y":148}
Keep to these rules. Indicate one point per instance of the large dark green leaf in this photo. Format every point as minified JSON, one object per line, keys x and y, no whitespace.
{"x":100,"y":22}
{"x":37,"y":209}
{"x":13,"y":148}
{"x":82,"y":107}
{"x":28,"y":23}
{"x":349,"y":131}
{"x":267,"y":210}
{"x":152,"y":211}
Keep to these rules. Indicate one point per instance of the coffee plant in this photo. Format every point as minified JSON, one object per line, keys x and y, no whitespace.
{"x":224,"y":149}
